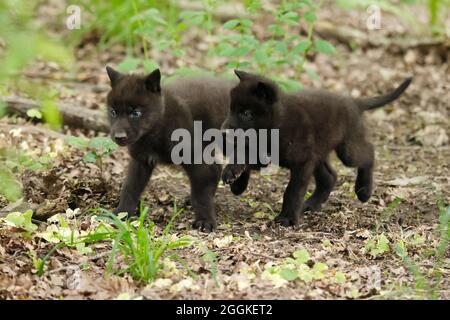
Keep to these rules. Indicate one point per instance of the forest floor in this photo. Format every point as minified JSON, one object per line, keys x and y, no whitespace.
{"x":351,"y":245}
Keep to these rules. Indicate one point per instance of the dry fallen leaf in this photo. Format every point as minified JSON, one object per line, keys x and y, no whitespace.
{"x":402,"y":182}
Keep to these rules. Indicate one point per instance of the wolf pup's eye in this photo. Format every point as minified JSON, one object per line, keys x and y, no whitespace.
{"x":246,"y":114}
{"x":112,"y":113}
{"x":135,"y":114}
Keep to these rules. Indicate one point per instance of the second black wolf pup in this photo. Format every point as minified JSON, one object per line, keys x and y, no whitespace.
{"x":311,"y":124}
{"x":143,"y":116}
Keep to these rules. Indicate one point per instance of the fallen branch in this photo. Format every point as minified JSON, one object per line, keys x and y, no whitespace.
{"x":72,"y":115}
{"x":349,"y":36}
{"x":20,"y":205}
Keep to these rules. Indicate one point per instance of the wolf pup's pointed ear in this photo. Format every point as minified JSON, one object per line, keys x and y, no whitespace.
{"x":266,"y":91}
{"x":113,"y":75}
{"x":153,"y":81}
{"x":242,"y":75}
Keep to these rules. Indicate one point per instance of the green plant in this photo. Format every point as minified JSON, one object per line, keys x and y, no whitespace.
{"x":139,"y":243}
{"x":377,"y":245}
{"x":22,"y":42}
{"x":210,"y":257}
{"x":63,"y":230}
{"x":22,"y":222}
{"x":96,"y":149}
{"x":437,"y":11}
{"x":387,"y":212}
{"x":160,"y":29}
{"x":424,"y":287}
{"x":13,"y":163}
{"x":141,"y":247}
{"x":282,"y":48}
{"x":299,"y":267}
{"x":18,"y":31}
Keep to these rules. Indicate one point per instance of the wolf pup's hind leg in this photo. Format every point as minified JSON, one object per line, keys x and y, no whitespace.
{"x":239,"y":186}
{"x":359,"y":154}
{"x":325,"y":178}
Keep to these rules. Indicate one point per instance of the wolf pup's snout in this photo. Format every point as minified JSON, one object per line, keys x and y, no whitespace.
{"x":120,"y":137}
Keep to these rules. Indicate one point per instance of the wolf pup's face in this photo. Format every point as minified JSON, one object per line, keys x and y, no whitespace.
{"x":252,"y":103}
{"x":135,"y":105}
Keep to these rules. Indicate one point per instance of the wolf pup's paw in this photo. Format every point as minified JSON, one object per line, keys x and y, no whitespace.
{"x":311,"y":206}
{"x":363,"y":193}
{"x":206,"y":225}
{"x":131,"y":212}
{"x":239,"y":186}
{"x":232,"y":172}
{"x":286,"y":221}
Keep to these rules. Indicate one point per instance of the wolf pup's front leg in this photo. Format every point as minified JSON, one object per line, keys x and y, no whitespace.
{"x":294,"y":194}
{"x":137,"y":178}
{"x":204,"y":180}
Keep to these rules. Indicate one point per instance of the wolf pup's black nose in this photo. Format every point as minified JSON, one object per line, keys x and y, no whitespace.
{"x":120,"y":137}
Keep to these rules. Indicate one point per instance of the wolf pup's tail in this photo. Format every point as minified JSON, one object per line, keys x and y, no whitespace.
{"x":376,"y":102}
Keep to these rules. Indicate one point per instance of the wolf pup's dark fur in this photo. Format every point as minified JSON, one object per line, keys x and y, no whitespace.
{"x":143,"y":116}
{"x":311,"y":124}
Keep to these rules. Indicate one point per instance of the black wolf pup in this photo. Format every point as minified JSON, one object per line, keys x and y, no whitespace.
{"x":311,"y":123}
{"x":143,"y":116}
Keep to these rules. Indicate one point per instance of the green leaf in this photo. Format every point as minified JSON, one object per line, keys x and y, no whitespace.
{"x":317,"y":270}
{"x":383,"y":243}
{"x":281,"y":48}
{"x":402,"y":246}
{"x":301,"y":256}
{"x":23,"y":221}
{"x":150,"y":65}
{"x":77,"y":142}
{"x":90,"y":157}
{"x":377,"y":245}
{"x":225,"y":49}
{"x":288,"y":274}
{"x":340,"y":278}
{"x":2,"y":108}
{"x":310,"y":17}
{"x":290,"y":18}
{"x":128,"y":65}
{"x":193,"y":17}
{"x":305,"y":274}
{"x":231,"y":24}
{"x":246,"y":23}
{"x":10,"y":186}
{"x":260,"y":56}
{"x":319,"y":266}
{"x":323,"y":46}
{"x":34,"y":113}
{"x":51,"y":113}
{"x":275,"y":29}
{"x":151,"y":14}
{"x":312,"y":74}
{"x":178,"y":53}
{"x":103,"y":144}
{"x":241,"y":52}
{"x":301,"y":47}
{"x":244,"y":64}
